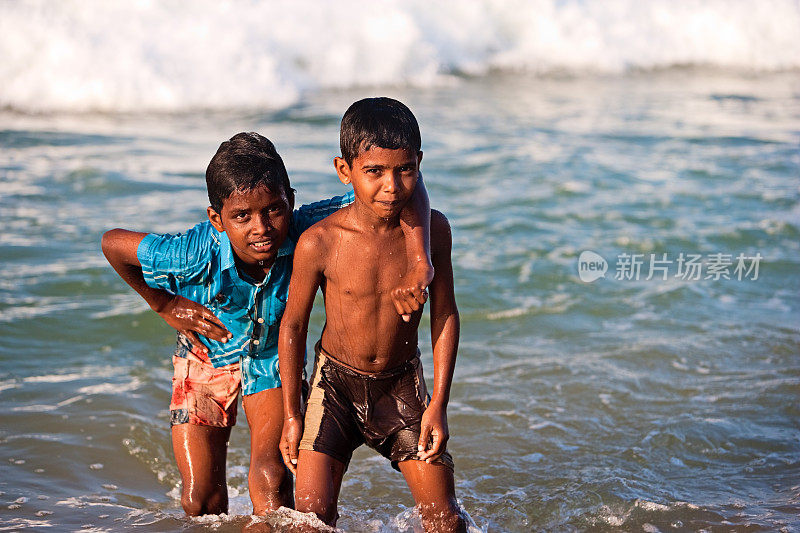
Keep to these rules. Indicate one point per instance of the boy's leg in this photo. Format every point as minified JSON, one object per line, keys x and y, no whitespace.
{"x":202,"y":412}
{"x":433,"y":489}
{"x":269,"y":480}
{"x":319,"y":478}
{"x":200,"y":452}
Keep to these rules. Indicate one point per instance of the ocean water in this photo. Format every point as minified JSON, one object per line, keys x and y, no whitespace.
{"x":662,"y":396}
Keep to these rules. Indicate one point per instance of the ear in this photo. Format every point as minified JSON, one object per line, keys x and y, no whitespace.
{"x":215,"y":219}
{"x":419,"y":158}
{"x":342,"y":170}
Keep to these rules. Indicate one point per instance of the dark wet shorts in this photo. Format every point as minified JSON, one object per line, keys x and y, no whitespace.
{"x":347,"y":408}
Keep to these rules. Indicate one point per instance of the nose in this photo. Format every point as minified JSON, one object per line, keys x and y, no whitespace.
{"x":261,"y":224}
{"x":392,"y":182}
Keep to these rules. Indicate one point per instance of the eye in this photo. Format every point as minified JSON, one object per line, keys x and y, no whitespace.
{"x":239,"y":216}
{"x":373,"y":171}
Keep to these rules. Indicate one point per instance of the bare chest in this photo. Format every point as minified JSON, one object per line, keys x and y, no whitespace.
{"x":366,"y":268}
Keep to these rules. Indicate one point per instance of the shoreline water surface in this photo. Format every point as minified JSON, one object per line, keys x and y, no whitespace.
{"x":620,"y":404}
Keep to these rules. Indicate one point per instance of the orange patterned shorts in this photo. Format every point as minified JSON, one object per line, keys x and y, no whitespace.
{"x":201,"y":394}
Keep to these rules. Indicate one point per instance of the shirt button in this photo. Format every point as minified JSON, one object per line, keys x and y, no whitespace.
{"x":260,"y":320}
{"x":256,"y":342}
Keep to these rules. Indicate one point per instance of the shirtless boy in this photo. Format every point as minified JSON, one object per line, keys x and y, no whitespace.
{"x":367,"y":386}
{"x":223,"y":284}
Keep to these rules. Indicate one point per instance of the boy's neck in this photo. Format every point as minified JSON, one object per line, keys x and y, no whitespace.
{"x":255,"y":272}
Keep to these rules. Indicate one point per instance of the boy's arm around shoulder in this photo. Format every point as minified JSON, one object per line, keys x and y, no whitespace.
{"x":120,"y":247}
{"x":445,"y":329}
{"x":307,"y":275}
{"x":415,"y":221}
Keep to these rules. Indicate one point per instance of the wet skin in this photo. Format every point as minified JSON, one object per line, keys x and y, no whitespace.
{"x":257,"y":223}
{"x":356,"y":256}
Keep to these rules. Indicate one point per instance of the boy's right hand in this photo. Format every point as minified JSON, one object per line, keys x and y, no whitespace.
{"x":290,"y":441}
{"x":190,"y":317}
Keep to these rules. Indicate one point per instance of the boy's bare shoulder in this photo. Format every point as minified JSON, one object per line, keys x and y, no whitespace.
{"x":318,"y":236}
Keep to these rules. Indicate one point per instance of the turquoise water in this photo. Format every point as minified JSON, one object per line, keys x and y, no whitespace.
{"x":617,"y":404}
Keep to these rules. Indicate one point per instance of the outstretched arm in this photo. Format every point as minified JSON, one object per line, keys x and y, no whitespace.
{"x":445,"y":327}
{"x":120,"y":246}
{"x":415,"y":220}
{"x":306,"y":279}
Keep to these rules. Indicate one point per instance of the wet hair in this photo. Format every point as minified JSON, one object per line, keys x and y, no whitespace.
{"x":382,"y":122}
{"x":243,"y":163}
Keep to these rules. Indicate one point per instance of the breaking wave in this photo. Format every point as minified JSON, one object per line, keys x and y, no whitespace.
{"x":78,"y":55}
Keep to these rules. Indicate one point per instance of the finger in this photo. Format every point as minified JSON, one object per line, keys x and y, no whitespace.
{"x":417,"y":290}
{"x":411,"y":301}
{"x":285,"y":456}
{"x":421,"y":296}
{"x":400,"y":306}
{"x":211,"y":317}
{"x":194,"y":340}
{"x":198,"y":322}
{"x":424,"y":437}
{"x":290,"y":465}
{"x":293,"y":454}
{"x":210,"y":326}
{"x":214,"y":332}
{"x":404,"y":300}
{"x":433,"y":458}
{"x":396,"y":302}
{"x":435,"y":449}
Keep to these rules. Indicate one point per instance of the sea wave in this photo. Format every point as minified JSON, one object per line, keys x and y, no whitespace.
{"x":78,"y":55}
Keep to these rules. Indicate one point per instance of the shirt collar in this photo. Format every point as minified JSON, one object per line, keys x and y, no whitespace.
{"x":225,"y":251}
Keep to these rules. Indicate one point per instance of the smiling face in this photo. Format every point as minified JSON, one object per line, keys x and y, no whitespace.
{"x":256,"y":222}
{"x":383,"y":179}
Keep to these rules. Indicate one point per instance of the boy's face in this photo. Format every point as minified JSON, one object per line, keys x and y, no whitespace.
{"x":257,"y":223}
{"x":382,"y":179}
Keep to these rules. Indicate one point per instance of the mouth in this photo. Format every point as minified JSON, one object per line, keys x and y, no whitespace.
{"x":261,"y":246}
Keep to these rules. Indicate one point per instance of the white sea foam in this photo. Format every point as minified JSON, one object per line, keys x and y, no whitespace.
{"x":95,"y":372}
{"x":18,"y":524}
{"x":8,"y":385}
{"x":112,"y":388}
{"x":100,"y":55}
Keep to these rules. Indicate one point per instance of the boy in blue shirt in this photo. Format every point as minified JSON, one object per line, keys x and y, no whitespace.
{"x":223,"y":285}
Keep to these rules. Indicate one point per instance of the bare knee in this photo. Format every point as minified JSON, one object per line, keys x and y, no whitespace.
{"x":198,"y":503}
{"x":270,"y":485}
{"x":192,"y":507}
{"x":325,"y":509}
{"x":269,"y":474}
{"x":442,"y":518}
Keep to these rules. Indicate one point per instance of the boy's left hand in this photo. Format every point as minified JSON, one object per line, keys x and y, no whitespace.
{"x":412,"y":292}
{"x":433,"y":434}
